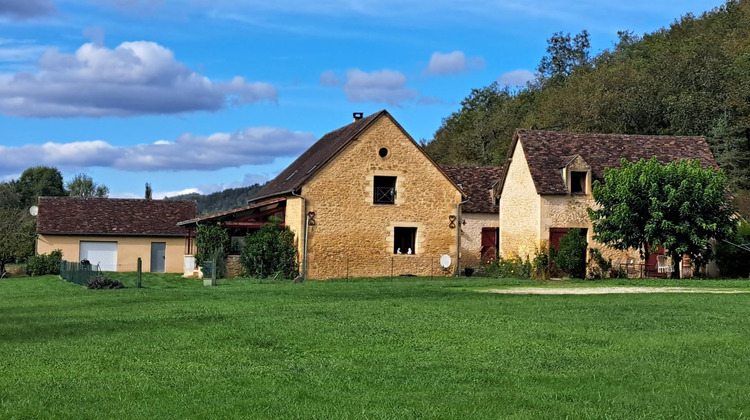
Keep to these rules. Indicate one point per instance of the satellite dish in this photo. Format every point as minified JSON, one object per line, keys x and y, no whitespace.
{"x":34,"y":210}
{"x":445,"y":261}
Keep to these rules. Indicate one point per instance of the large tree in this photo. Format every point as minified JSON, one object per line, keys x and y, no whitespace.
{"x":680,"y":206}
{"x":17,"y":231}
{"x":83,"y":185}
{"x":36,"y":182}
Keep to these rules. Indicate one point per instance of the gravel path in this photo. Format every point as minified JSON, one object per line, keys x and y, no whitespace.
{"x":605,"y":290}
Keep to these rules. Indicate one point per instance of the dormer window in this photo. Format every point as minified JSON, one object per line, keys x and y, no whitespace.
{"x":578,"y":182}
{"x":384,"y":190}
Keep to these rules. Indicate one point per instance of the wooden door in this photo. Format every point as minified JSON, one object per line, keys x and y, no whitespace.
{"x":489,"y":244}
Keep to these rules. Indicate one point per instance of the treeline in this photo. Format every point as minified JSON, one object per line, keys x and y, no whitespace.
{"x":692,"y":78}
{"x":222,"y":200}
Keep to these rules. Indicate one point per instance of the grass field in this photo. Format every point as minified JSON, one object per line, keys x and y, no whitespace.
{"x":407,"y":348}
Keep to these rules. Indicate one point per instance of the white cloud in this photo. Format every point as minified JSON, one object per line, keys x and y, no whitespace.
{"x":26,"y":9}
{"x":251,"y":146}
{"x":453,"y":63}
{"x":386,"y":86}
{"x":516,"y":78}
{"x":328,"y":78}
{"x":135,"y":78}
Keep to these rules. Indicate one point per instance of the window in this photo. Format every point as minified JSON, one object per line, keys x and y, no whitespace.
{"x":384,"y":190}
{"x":383,"y":152}
{"x":577,"y":182}
{"x":404,"y":240}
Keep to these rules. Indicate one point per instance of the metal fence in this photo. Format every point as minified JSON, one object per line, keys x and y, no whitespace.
{"x":78,"y":273}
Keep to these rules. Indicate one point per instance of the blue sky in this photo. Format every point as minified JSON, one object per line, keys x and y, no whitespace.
{"x":202,"y":95}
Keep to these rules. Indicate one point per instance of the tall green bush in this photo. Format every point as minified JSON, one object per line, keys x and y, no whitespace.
{"x":270,"y":252}
{"x":39,"y":265}
{"x":571,"y":256}
{"x":211,"y":239}
{"x":733,"y":261}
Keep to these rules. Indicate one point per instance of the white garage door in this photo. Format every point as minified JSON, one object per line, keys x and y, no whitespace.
{"x":102,"y":253}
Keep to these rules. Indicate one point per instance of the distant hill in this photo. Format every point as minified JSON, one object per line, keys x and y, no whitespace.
{"x":222,"y":200}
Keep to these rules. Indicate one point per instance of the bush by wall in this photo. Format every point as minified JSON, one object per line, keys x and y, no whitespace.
{"x":270,"y":252}
{"x":571,"y":257}
{"x":511,"y":267}
{"x":212,"y":240}
{"x":39,"y":265}
{"x":599,"y":267}
{"x":733,"y":261}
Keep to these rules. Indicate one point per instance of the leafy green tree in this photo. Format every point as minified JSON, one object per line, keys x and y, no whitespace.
{"x":210,"y":240}
{"x":571,"y":255}
{"x":566,"y":55}
{"x":17,"y":233}
{"x":148,"y":193}
{"x":40,"y":181}
{"x":9,"y":195}
{"x":83,"y":185}
{"x":680,"y":206}
{"x":270,"y":251}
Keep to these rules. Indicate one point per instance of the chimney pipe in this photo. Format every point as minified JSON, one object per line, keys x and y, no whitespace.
{"x":357,"y":116}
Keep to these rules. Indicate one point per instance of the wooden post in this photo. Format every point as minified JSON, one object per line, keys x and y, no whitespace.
{"x":140,"y":272}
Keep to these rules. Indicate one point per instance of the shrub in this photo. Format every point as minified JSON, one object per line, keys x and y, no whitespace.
{"x":43,"y":264}
{"x":468,"y":271}
{"x":571,"y":257}
{"x":212,"y":240}
{"x":270,"y":252}
{"x":511,"y":267}
{"x":733,"y":261}
{"x":543,"y":264}
{"x":599,"y":267}
{"x":104,"y":282}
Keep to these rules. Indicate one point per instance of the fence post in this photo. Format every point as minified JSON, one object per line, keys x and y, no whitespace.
{"x":140,"y":272}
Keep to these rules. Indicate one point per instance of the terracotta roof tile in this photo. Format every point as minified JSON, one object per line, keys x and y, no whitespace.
{"x":545,"y":150}
{"x":112,"y":216}
{"x":314,"y":158}
{"x":476,"y":183}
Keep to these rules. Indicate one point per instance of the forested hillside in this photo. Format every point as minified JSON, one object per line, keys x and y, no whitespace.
{"x":223,"y":200}
{"x":692,"y":78}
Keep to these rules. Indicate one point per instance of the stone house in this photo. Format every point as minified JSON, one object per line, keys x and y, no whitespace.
{"x":114,"y":233}
{"x":479,"y":221}
{"x":545,"y":188}
{"x":364,"y":200}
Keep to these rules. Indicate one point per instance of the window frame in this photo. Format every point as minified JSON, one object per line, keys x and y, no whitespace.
{"x":404,"y":235}
{"x":380,"y":190}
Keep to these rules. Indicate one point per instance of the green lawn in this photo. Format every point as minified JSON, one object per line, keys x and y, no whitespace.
{"x":407,"y":348}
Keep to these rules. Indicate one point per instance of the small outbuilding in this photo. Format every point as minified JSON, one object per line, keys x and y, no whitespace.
{"x":114,"y":233}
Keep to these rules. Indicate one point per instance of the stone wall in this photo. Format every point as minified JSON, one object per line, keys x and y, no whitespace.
{"x":234,"y":268}
{"x":569,"y":211}
{"x":519,"y":209}
{"x":471,"y":236}
{"x":354,"y":237}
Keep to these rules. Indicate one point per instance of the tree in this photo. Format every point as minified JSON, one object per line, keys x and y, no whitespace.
{"x":270,"y":251}
{"x":40,"y":181}
{"x":680,"y":206}
{"x":566,"y":55}
{"x":148,"y":191}
{"x":17,"y":232}
{"x":83,"y":185}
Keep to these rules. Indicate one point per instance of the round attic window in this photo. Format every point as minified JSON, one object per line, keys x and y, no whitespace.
{"x":383,"y":152}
